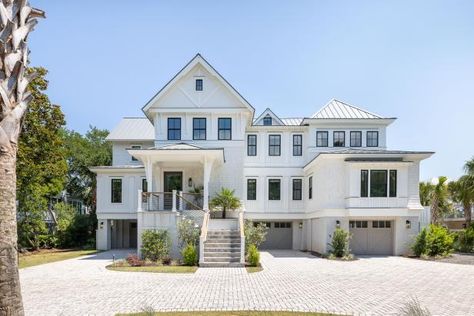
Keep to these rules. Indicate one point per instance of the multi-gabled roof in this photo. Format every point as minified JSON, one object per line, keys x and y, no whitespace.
{"x":133,"y":128}
{"x":336,"y":109}
{"x":268,"y":112}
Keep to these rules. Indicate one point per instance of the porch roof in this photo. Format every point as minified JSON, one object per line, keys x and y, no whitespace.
{"x":178,"y":152}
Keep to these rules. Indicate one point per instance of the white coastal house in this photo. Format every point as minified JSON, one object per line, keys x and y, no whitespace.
{"x":302,"y":176}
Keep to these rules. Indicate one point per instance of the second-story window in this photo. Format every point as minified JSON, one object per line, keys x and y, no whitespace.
{"x":199,"y":85}
{"x":393,"y":183}
{"x":297,"y":145}
{"x":224,"y":128}
{"x":322,"y":139}
{"x":251,"y":145}
{"x":310,"y":187}
{"x":251,"y":189}
{"x":174,"y":128}
{"x":199,"y":128}
{"x":372,"y":139}
{"x":274,"y":145}
{"x":378,"y":183}
{"x":274,"y":189}
{"x":135,"y":147}
{"x":364,"y":183}
{"x":356,"y":139}
{"x":339,"y":139}
{"x":267,"y":120}
{"x":116,"y":191}
{"x":297,"y":189}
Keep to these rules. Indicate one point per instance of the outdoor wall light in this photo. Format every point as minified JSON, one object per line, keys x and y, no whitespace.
{"x":338,"y":224}
{"x":408,"y":224}
{"x":190,"y":182}
{"x":101,"y":225}
{"x":300,"y":225}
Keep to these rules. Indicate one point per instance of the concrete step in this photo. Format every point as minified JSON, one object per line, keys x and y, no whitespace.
{"x":222,"y":240}
{"x":221,"y":265}
{"x":208,"y":254}
{"x":221,"y":259}
{"x":222,"y":249}
{"x":222,"y":244}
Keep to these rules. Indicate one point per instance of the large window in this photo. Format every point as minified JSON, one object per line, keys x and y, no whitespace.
{"x":199,"y":85}
{"x":378,"y":183}
{"x":297,"y":189}
{"x":372,"y":139}
{"x":274,"y":189}
{"x":364,"y":183}
{"x":251,"y":145}
{"x":116,"y":192}
{"x":199,"y":128}
{"x":297,"y":145}
{"x":174,"y":128}
{"x":339,"y":139}
{"x":356,"y":139}
{"x":322,"y":139}
{"x":393,"y":183}
{"x":274,"y":145}
{"x":135,"y":147}
{"x":310,"y":187}
{"x":251,"y":189}
{"x":224,"y":128}
{"x":267,"y":120}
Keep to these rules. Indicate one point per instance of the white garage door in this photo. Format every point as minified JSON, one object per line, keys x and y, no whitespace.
{"x":371,"y":237}
{"x":279,"y":236}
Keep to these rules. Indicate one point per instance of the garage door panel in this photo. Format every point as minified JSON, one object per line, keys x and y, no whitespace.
{"x":279,"y":236}
{"x":371,"y":237}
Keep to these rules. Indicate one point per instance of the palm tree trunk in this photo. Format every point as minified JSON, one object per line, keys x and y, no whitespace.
{"x":10,"y":294}
{"x":223,"y":212}
{"x":467,"y":213}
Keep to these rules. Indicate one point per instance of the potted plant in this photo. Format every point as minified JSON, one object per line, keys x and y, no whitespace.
{"x":225,"y":199}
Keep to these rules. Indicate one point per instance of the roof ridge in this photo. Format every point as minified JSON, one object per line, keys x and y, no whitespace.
{"x":356,"y":107}
{"x":337,"y":108}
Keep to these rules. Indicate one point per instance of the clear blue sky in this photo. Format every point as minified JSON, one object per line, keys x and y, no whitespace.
{"x":410,"y":59}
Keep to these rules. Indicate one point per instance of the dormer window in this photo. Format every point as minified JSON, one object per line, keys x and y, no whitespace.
{"x":199,"y":84}
{"x":267,"y":120}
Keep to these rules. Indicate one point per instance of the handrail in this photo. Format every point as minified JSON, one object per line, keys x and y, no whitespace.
{"x":203,"y":237}
{"x":242,"y":236}
{"x":197,"y":207}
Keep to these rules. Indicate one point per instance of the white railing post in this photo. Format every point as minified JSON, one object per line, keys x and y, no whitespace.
{"x":203,"y":237}
{"x":173,"y":201}
{"x":139,"y":206}
{"x":181,"y":202}
{"x":242,"y":237}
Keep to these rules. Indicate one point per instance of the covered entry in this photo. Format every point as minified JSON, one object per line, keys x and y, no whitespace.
{"x":279,"y":236}
{"x":371,"y":237}
{"x":123,"y":233}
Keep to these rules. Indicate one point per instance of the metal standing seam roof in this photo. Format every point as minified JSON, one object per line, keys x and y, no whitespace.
{"x":336,"y":109}
{"x":133,"y":128}
{"x":292,"y":120}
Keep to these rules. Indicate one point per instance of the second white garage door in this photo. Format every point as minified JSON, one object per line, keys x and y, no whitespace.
{"x":371,"y":237}
{"x":279,"y":236}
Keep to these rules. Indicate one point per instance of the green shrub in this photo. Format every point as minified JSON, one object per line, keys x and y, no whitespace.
{"x":253,"y":256}
{"x":255,"y":234}
{"x":433,"y":241}
{"x":465,"y":239}
{"x":339,"y":245}
{"x":156,"y":244}
{"x":188,"y":232}
{"x":189,"y":254}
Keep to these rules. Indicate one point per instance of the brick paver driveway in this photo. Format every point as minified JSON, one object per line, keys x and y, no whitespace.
{"x":291,"y":281}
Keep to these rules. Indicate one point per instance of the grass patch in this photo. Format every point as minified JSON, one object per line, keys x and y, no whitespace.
{"x":254,"y":269}
{"x":50,"y":255}
{"x":153,"y":269}
{"x":237,"y":313}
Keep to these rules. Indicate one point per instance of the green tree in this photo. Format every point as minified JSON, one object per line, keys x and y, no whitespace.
{"x":426,"y":193}
{"x":225,"y":199}
{"x":462,"y":191}
{"x":41,"y":164}
{"x":469,"y":167}
{"x":440,"y":204}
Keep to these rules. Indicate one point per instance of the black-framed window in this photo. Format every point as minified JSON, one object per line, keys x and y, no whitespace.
{"x":251,"y":189}
{"x":224,"y":125}
{"x":282,"y":224}
{"x":356,"y":139}
{"x":297,"y":145}
{"x":267,"y":120}
{"x":199,"y":84}
{"x":116,"y":190}
{"x":274,"y":145}
{"x":322,"y":139}
{"x":297,"y":189}
{"x":274,"y":191}
{"x":364,"y":183}
{"x":393,"y":183}
{"x":378,"y":183}
{"x":381,"y":224}
{"x":339,"y":139}
{"x":135,"y":147}
{"x":174,"y":128}
{"x":199,"y":128}
{"x":310,"y":187}
{"x":251,"y":145}
{"x":372,"y":139}
{"x":144,"y":185}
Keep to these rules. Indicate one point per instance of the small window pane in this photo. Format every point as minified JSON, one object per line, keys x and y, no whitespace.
{"x":135,"y":147}
{"x":174,"y":128}
{"x":310,"y":187}
{"x":297,"y":145}
{"x":364,"y":183}
{"x":252,"y":145}
{"x":339,"y":139}
{"x":372,"y":139}
{"x":364,"y":224}
{"x":356,"y":139}
{"x":322,"y":139}
{"x":116,"y":186}
{"x":274,"y":189}
{"x":274,"y":145}
{"x":199,"y":128}
{"x":267,"y":120}
{"x":375,"y":224}
{"x":297,"y":189}
{"x":199,"y":84}
{"x":351,"y":224}
{"x":393,"y":183}
{"x":388,"y":224}
{"x":224,"y":128}
{"x":378,"y":183}
{"x":251,"y":189}
{"x":144,"y":185}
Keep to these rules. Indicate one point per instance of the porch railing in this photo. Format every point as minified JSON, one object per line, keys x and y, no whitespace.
{"x":169,"y":201}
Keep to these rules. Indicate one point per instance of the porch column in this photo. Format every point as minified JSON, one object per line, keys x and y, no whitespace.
{"x":207,"y":175}
{"x":148,"y":164}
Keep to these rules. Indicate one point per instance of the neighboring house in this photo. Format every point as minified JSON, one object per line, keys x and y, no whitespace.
{"x":302,"y":176}
{"x":456,"y":220}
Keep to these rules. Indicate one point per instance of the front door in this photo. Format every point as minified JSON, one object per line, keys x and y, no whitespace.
{"x":173,"y":180}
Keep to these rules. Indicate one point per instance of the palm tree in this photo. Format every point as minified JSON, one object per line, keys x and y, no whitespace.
{"x":426,"y":193}
{"x":440,"y":200}
{"x":225,"y":199}
{"x":469,"y":167}
{"x":17,"y":20}
{"x":462,"y":191}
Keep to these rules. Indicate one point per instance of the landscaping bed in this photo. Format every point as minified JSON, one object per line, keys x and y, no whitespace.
{"x":42,"y":256}
{"x":252,"y":269}
{"x":153,"y":268}
{"x":456,"y":258}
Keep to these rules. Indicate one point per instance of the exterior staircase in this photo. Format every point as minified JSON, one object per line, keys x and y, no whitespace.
{"x":222,"y":248}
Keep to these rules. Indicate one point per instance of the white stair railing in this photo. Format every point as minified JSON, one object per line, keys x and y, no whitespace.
{"x":242,"y":236}
{"x":203,"y":236}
